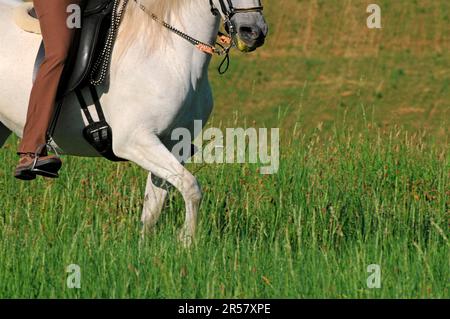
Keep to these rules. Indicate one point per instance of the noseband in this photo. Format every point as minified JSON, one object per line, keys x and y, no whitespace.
{"x":229,"y":10}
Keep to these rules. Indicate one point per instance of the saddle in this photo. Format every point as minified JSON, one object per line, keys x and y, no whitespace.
{"x":89,"y":41}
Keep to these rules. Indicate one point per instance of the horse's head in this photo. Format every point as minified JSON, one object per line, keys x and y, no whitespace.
{"x":245,"y":22}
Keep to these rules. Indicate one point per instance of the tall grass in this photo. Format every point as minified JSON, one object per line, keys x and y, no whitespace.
{"x":346,"y":196}
{"x":337,"y":205}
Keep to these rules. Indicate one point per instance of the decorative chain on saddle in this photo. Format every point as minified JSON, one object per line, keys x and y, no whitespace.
{"x":101,"y":65}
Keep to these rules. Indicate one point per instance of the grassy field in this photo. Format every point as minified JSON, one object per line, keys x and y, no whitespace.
{"x":364,"y":177}
{"x":322,"y":65}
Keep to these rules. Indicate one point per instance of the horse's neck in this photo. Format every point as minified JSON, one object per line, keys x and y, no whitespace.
{"x":196,"y":20}
{"x":199,"y":22}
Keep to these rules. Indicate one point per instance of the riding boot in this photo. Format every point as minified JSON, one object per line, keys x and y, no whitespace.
{"x":38,"y":163}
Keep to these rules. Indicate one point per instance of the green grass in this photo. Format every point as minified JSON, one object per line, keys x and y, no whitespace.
{"x":321,"y":65}
{"x":363,"y":179}
{"x":336,"y":206}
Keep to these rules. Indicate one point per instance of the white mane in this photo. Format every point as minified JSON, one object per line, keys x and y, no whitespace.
{"x":139,"y":25}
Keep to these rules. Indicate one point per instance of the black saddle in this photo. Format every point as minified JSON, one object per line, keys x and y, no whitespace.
{"x":87,"y":45}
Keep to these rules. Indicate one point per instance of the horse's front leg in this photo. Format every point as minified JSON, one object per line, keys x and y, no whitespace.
{"x":155,"y":196}
{"x":147,"y":151}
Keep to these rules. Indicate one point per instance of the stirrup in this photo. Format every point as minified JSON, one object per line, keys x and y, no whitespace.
{"x":36,"y":157}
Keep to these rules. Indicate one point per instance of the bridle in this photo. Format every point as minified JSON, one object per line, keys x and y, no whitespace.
{"x":228,"y":11}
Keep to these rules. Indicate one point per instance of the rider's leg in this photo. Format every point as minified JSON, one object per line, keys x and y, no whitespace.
{"x":57,"y":37}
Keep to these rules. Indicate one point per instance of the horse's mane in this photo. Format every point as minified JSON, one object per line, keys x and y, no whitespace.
{"x":138,"y":25}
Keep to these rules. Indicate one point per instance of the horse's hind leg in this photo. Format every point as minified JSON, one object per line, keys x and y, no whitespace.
{"x":4,"y":134}
{"x":155,"y":196}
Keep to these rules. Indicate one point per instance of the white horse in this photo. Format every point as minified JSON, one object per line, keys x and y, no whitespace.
{"x":159,"y":83}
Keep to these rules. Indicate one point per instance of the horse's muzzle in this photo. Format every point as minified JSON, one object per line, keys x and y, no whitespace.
{"x":252,"y":35}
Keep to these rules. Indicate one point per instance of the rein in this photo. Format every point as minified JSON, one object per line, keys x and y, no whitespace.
{"x":202,"y":46}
